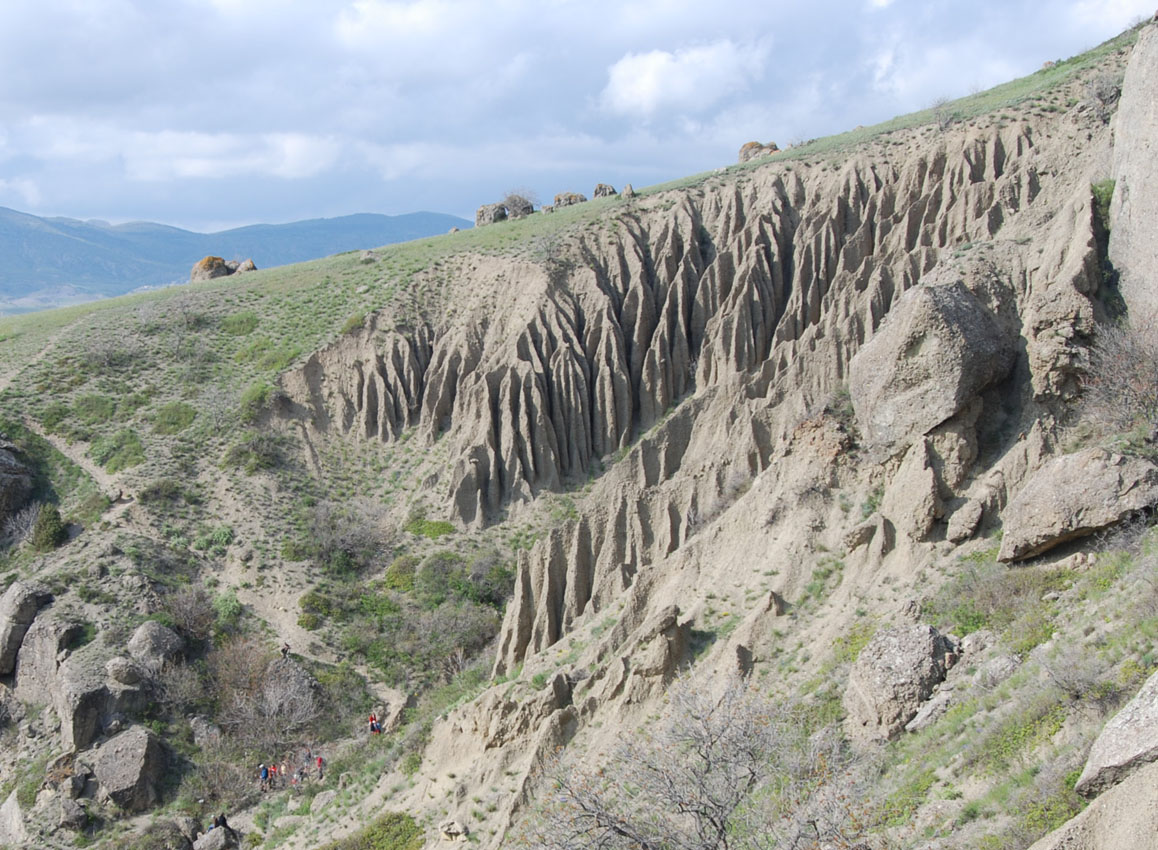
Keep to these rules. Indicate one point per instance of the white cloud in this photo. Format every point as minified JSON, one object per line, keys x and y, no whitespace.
{"x":22,"y":191}
{"x":690,"y":79}
{"x":172,"y":155}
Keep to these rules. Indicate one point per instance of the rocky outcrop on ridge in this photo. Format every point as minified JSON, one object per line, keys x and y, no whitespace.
{"x":210,"y":268}
{"x":755,"y":150}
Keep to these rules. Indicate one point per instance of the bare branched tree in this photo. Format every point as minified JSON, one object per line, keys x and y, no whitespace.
{"x":719,"y":772}
{"x":18,"y":526}
{"x":1121,"y":389}
{"x":192,"y":611}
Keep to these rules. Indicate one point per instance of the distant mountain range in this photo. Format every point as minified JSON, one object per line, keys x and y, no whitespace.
{"x":46,"y":262}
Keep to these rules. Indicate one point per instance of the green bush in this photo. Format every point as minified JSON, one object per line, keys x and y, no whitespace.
{"x":49,"y":531}
{"x":309,"y":622}
{"x":173,"y":418}
{"x":94,"y":409}
{"x":420,"y":525}
{"x":53,"y":415}
{"x":254,"y":452}
{"x":254,"y":401}
{"x":354,"y":323}
{"x":268,"y":355}
{"x":119,"y":451}
{"x":400,"y":573}
{"x":392,"y":831}
{"x":239,"y":324}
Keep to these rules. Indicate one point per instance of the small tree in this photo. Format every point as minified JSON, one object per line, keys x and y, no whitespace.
{"x":49,"y":530}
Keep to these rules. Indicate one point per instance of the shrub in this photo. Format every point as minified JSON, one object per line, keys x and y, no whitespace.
{"x":392,"y":831}
{"x":354,"y":323}
{"x":344,"y":538}
{"x":308,"y":621}
{"x":193,"y":612}
{"x":423,"y":527}
{"x":19,"y":525}
{"x":173,"y":418}
{"x":1121,"y":388}
{"x":119,"y":451}
{"x":255,"y":451}
{"x":239,"y":324}
{"x":161,"y":491}
{"x":441,"y":576}
{"x":254,"y":401}
{"x":94,"y":409}
{"x":49,"y":530}
{"x":400,"y":573}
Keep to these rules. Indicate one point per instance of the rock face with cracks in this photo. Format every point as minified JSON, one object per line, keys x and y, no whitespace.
{"x":1073,"y":496}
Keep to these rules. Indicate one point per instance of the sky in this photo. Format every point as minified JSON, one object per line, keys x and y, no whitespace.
{"x":209,"y":114}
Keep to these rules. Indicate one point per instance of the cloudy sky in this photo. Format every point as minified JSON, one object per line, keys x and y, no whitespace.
{"x":215,"y":113}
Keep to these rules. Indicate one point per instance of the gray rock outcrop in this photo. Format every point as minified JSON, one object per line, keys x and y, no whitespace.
{"x":604,"y":190}
{"x":220,"y":839}
{"x":154,"y":645}
{"x":1134,"y":208}
{"x":129,"y":768}
{"x":1075,"y":495}
{"x":209,"y":268}
{"x":1128,"y":741}
{"x":15,"y":481}
{"x":18,"y":607}
{"x":935,"y":351}
{"x":518,"y":206}
{"x":567,"y":199}
{"x":490,"y":214}
{"x":44,"y":648}
{"x":12,"y":829}
{"x":1124,"y":817}
{"x":755,"y":150}
{"x":895,"y":672}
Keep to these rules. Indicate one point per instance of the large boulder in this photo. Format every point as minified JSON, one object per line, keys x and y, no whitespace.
{"x":518,"y":206}
{"x":755,"y":150}
{"x":1128,"y":741}
{"x":934,"y":352}
{"x":895,"y":672}
{"x":15,"y":481}
{"x":154,"y":645}
{"x":218,"y":839}
{"x":567,"y":199}
{"x":604,"y":190}
{"x":18,"y":607}
{"x":12,"y":830}
{"x":208,"y":268}
{"x":1124,"y":818}
{"x":1075,"y":495}
{"x":45,"y":646}
{"x":129,"y":768}
{"x":1134,"y":208}
{"x":490,"y":214}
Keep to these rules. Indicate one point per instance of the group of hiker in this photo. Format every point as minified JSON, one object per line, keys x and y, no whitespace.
{"x":273,"y":775}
